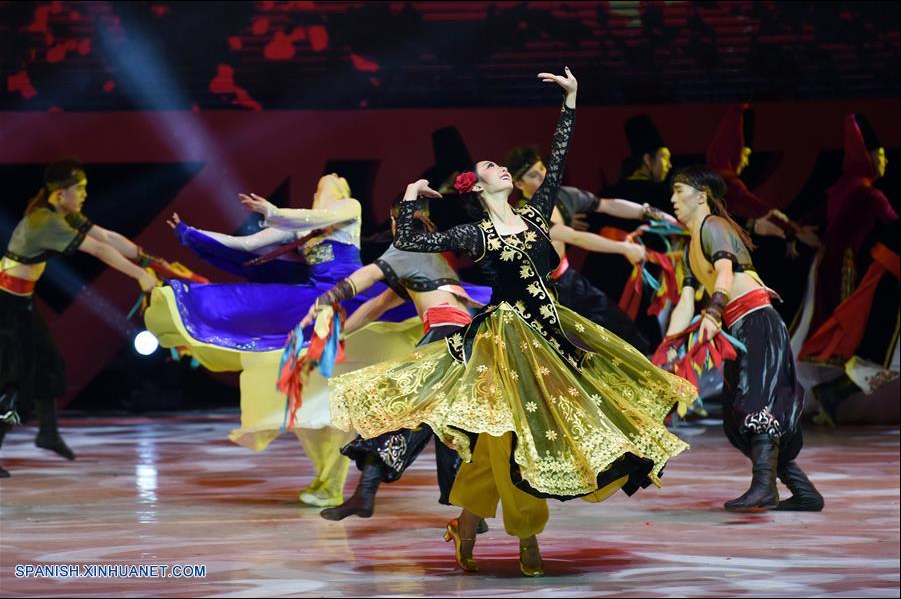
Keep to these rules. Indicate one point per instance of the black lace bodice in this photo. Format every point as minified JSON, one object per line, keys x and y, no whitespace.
{"x":517,"y":266}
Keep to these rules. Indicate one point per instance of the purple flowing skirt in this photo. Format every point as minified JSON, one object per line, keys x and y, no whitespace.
{"x":258,"y":316}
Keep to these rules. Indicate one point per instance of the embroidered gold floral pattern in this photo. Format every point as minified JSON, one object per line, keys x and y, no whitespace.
{"x":547,"y":312}
{"x":514,"y":241}
{"x":517,"y":250}
{"x":577,"y":422}
{"x":508,"y":254}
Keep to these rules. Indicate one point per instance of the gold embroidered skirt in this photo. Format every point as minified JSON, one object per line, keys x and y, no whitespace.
{"x":575,"y":430}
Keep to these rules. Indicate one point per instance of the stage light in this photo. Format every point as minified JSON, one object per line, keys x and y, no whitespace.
{"x":145,"y":343}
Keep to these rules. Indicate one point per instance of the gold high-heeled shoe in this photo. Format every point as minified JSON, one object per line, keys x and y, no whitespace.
{"x":528,"y":570}
{"x":467,"y":564}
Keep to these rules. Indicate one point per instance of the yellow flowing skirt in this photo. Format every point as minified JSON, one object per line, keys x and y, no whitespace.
{"x":262,"y":405}
{"x":570,"y":425}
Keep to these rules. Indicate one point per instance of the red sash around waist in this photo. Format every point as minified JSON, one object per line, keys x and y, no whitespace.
{"x":561,"y":268}
{"x":444,"y":315}
{"x":16,"y":285}
{"x":742,"y":305}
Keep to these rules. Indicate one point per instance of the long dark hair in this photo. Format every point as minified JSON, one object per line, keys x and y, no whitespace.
{"x":58,"y":175}
{"x":710,"y":182}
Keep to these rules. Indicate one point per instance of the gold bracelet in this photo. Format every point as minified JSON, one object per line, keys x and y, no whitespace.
{"x":719,"y":325}
{"x":718,"y":320}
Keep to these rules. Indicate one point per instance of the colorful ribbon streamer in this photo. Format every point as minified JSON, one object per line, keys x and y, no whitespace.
{"x":324,"y":351}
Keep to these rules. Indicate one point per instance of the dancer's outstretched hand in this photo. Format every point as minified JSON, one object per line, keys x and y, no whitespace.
{"x":420,"y":188}
{"x":634,"y":252}
{"x":257,"y":204}
{"x":174,"y":221}
{"x":567,"y":81}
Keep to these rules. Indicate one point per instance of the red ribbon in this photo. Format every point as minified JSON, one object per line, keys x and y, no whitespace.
{"x":669,"y":286}
{"x":630,"y":300}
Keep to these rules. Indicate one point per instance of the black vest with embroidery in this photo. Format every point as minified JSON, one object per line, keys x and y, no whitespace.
{"x":518,"y":267}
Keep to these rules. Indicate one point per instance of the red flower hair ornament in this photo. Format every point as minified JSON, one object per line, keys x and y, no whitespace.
{"x":465,"y":181}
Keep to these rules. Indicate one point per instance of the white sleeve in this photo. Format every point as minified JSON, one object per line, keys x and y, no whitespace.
{"x":302,"y":219}
{"x":252,"y":243}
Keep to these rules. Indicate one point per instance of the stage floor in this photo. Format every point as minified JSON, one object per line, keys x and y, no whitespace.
{"x":175,"y":491}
